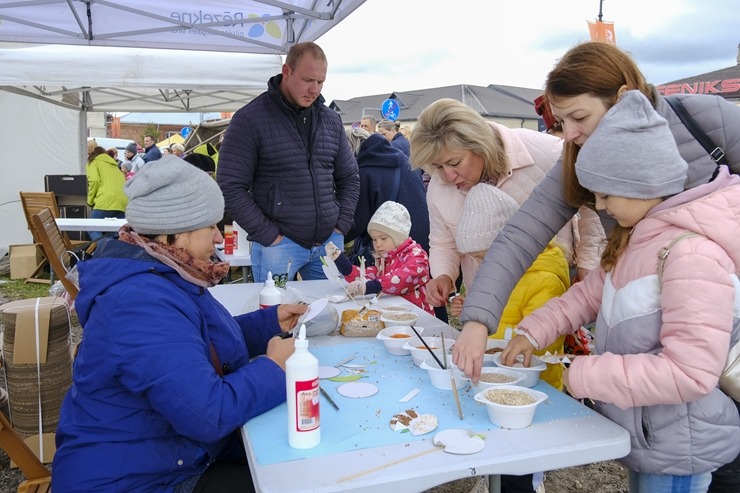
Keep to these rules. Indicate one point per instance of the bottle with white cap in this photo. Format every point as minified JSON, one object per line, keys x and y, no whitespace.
{"x":302,"y":388}
{"x":270,"y":295}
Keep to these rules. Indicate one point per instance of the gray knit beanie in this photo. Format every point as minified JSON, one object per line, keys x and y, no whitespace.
{"x":131,"y":147}
{"x":170,"y":196}
{"x":632,"y":153}
{"x":392,"y":219}
{"x":485,"y":212}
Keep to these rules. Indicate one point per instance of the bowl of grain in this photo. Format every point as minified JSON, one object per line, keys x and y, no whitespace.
{"x":419,"y":353}
{"x":395,"y":337}
{"x":494,"y":376}
{"x":493,"y":346}
{"x":532,"y":371}
{"x":398,"y":318}
{"x":510,"y":406}
{"x":394,"y":308}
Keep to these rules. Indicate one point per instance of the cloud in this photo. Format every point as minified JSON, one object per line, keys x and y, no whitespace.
{"x":390,"y":45}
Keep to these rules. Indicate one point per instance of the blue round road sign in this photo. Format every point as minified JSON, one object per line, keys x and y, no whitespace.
{"x":185,"y":131}
{"x":390,"y":109}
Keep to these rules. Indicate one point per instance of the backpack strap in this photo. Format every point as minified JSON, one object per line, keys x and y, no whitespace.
{"x":715,"y":152}
{"x":663,"y":254}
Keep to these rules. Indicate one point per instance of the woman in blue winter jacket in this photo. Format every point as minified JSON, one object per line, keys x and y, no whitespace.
{"x":165,"y":376}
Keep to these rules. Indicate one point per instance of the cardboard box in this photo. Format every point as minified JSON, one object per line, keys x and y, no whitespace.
{"x":23,"y":260}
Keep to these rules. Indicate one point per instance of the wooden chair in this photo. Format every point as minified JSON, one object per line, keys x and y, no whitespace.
{"x":54,"y":244}
{"x":33,"y":203}
{"x":38,"y":477}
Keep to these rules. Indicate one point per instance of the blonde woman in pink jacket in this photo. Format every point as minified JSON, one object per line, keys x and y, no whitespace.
{"x":663,"y":327}
{"x":460,"y":149}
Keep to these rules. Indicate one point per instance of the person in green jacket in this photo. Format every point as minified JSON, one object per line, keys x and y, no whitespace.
{"x":104,"y":186}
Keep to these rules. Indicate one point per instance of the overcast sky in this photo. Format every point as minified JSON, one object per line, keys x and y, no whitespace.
{"x":403,"y":45}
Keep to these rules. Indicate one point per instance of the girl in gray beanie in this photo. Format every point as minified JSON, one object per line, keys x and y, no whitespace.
{"x":664,"y":302}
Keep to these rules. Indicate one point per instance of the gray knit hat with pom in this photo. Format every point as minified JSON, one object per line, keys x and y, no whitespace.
{"x":392,"y":219}
{"x":632,"y":153}
{"x":485,"y":212}
{"x":170,"y":196}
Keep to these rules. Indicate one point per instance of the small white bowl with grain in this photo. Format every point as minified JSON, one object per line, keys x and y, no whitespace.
{"x":532,"y":371}
{"x":494,"y":376}
{"x":510,"y":406}
{"x":391,"y":319}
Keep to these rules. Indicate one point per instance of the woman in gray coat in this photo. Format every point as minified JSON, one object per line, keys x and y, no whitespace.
{"x":586,"y":82}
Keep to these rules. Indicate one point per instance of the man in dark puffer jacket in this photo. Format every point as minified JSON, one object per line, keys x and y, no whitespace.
{"x":286,"y":170}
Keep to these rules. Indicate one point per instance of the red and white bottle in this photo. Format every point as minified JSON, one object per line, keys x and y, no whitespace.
{"x":302,"y":388}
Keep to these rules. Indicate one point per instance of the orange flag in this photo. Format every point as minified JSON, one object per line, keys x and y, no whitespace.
{"x":602,"y":31}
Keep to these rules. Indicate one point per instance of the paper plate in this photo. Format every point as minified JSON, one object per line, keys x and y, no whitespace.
{"x":458,"y":441}
{"x":328,"y":371}
{"x":313,"y":309}
{"x":357,"y":390}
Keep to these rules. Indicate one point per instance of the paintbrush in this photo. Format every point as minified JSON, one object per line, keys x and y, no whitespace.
{"x":328,"y":398}
{"x":427,"y":346}
{"x":452,"y":379}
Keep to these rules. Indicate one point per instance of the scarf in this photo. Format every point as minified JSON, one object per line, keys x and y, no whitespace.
{"x":203,"y":273}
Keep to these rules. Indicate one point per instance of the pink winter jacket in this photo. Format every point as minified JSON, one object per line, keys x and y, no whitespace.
{"x":403,"y":272}
{"x":531,"y":155}
{"x":659,"y":354}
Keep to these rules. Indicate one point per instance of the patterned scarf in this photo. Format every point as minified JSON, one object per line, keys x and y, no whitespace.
{"x":203,"y":273}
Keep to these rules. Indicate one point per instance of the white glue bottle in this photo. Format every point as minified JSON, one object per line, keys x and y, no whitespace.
{"x":270,"y":295}
{"x":302,"y":388}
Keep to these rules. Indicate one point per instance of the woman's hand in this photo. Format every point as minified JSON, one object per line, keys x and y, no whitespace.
{"x":456,"y":305}
{"x":470,"y":345}
{"x":439,"y":289}
{"x":288,"y":315}
{"x":279,"y":350}
{"x":518,"y":345}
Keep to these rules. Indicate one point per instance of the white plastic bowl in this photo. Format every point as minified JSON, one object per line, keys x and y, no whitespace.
{"x":510,"y":416}
{"x":391,"y":319}
{"x":394,"y":308}
{"x":419,"y":353}
{"x":442,"y":378}
{"x":532,"y":372}
{"x":512,"y":377}
{"x":493,"y":343}
{"x":394,"y":345}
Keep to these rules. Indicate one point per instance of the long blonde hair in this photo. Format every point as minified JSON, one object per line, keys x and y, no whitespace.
{"x":448,"y":124}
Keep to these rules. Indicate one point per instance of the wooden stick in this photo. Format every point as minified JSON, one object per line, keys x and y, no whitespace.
{"x":393,"y":463}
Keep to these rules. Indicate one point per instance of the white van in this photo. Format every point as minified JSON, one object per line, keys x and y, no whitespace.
{"x":106,"y":143}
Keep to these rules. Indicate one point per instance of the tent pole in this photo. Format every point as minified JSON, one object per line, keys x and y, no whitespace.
{"x":82,"y":134}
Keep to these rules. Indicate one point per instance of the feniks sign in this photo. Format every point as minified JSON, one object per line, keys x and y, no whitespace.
{"x":719,"y":87}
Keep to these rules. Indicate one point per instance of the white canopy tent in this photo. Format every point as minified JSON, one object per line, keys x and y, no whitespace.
{"x":47,"y":134}
{"x":130,"y":55}
{"x":250,"y":26}
{"x":136,"y":80}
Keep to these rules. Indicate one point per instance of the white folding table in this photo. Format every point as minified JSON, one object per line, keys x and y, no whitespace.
{"x":581,"y":437}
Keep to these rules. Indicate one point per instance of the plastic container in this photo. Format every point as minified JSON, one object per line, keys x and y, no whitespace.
{"x":302,"y":390}
{"x":270,"y":295}
{"x":419,"y":353}
{"x":394,"y":340}
{"x":510,"y":415}
{"x":532,"y":371}
{"x":442,"y":378}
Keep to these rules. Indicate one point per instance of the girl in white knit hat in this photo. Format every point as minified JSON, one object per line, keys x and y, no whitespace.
{"x":401,"y":265}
